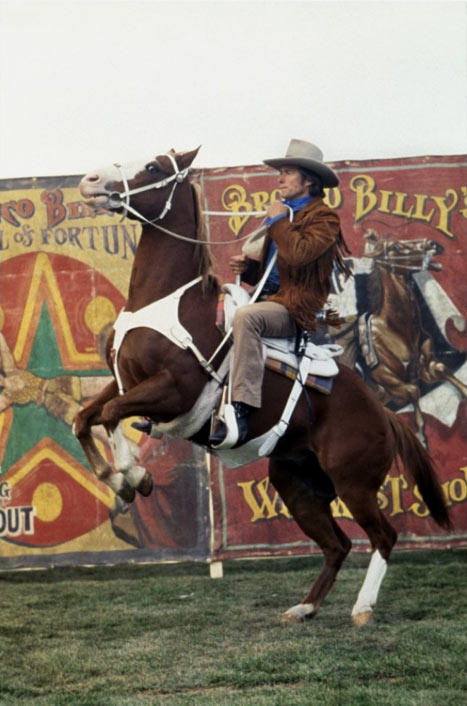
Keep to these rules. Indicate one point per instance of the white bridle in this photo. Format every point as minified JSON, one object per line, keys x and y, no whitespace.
{"x":116,"y":197}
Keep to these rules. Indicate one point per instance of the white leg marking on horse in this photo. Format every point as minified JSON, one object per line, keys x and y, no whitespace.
{"x":123,"y":456}
{"x":125,"y":460}
{"x":115,"y":481}
{"x":298,"y":613}
{"x":369,"y":591}
{"x":135,"y":475}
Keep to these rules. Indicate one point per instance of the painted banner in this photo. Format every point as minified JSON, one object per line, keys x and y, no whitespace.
{"x":413,"y":212}
{"x":64,"y":272}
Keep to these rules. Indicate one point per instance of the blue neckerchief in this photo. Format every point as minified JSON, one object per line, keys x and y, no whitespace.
{"x":272,"y":283}
{"x":298,"y":204}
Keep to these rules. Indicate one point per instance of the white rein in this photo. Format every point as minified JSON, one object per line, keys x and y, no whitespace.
{"x":119,"y":199}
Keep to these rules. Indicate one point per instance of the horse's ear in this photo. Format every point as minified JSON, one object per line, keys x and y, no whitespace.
{"x":184,"y":159}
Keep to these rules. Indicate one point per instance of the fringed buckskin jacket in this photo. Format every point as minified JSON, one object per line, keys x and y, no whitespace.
{"x":307,"y":251}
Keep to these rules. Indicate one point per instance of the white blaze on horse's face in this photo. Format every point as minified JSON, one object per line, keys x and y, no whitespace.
{"x":96,"y":187}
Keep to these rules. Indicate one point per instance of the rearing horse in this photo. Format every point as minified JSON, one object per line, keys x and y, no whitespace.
{"x":346,"y":450}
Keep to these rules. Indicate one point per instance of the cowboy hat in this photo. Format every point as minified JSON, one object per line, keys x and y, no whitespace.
{"x":306,"y":155}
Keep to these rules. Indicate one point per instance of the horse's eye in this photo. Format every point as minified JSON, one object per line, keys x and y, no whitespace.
{"x":151,"y":168}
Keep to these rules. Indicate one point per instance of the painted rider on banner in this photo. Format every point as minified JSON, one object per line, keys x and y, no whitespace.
{"x":303,"y":246}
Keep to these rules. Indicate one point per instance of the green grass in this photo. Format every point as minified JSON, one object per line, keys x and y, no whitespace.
{"x":168,"y":634}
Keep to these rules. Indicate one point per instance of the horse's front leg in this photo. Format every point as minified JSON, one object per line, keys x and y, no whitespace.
{"x":156,"y":397}
{"x":432,"y":370}
{"x":125,"y":462}
{"x":88,"y":417}
{"x":90,"y":414}
{"x":402,"y":393}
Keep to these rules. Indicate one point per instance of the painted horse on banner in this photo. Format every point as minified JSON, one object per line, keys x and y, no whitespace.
{"x":162,"y":371}
{"x":399,"y":354}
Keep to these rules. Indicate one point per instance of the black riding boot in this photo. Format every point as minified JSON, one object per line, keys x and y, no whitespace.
{"x":242,"y":412}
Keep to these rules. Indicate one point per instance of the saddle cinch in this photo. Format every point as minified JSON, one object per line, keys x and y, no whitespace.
{"x":313,"y":365}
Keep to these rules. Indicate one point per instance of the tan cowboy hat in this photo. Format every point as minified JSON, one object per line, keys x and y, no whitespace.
{"x":306,"y":155}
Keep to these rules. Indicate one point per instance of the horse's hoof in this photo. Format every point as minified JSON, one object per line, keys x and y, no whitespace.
{"x":126,"y":493}
{"x":146,"y":485}
{"x":298,"y":613}
{"x":362,"y":618}
{"x":120,"y":508}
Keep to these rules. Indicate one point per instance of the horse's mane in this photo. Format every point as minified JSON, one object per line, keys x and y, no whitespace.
{"x":203,"y":256}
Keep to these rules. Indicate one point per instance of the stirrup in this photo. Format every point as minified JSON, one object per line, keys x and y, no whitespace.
{"x":229,"y":419}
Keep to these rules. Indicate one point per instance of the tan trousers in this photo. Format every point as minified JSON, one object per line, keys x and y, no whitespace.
{"x":250,"y":323}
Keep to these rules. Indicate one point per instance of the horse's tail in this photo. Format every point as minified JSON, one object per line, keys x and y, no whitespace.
{"x":419,"y":465}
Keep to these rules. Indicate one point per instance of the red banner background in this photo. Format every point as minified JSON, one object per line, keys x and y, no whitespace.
{"x":402,"y":199}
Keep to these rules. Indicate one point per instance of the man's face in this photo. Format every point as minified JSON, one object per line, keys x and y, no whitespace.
{"x":292,"y":184}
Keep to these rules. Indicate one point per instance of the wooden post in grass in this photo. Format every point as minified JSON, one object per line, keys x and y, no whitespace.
{"x":216,"y":569}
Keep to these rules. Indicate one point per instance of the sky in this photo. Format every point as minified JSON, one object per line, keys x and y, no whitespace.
{"x":85,"y":83}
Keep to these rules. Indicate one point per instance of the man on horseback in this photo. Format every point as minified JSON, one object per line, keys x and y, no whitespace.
{"x":305,"y":236}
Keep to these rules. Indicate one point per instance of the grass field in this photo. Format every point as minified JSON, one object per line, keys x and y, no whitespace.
{"x":170,"y":635}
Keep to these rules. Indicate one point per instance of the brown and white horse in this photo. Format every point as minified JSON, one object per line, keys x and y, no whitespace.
{"x":347,"y":448}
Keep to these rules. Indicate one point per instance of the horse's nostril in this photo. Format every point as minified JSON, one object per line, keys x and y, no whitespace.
{"x":91,"y":178}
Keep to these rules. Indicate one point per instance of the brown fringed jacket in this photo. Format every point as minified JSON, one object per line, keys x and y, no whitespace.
{"x":308,"y":249}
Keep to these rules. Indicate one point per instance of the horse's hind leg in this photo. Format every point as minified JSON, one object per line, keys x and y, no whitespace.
{"x":307,"y":493}
{"x":364,"y":507}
